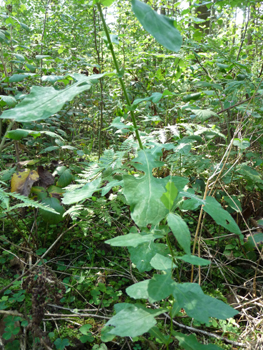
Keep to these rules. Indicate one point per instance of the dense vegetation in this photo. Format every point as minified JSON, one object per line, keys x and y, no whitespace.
{"x":131,"y":175}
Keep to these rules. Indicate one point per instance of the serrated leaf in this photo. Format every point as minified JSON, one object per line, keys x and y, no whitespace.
{"x":146,"y":206}
{"x":42,"y":102}
{"x":180,"y":231}
{"x":159,"y":26}
{"x":204,"y":114}
{"x":75,"y":196}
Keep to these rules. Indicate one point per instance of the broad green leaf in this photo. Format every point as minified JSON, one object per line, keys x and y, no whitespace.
{"x":17,"y":134}
{"x":234,"y":203}
{"x":189,"y":342}
{"x":40,"y":57}
{"x":15,"y":78}
{"x":85,"y":329}
{"x":65,"y":177}
{"x":50,"y":217}
{"x":250,"y":174}
{"x":133,"y":321}
{"x":159,"y":26}
{"x":204,"y":114}
{"x":256,"y":239}
{"x":142,"y":255}
{"x":160,"y":262}
{"x":194,"y":97}
{"x":52,"y":78}
{"x":105,"y":335}
{"x":106,"y":2}
{"x":19,"y":57}
{"x":160,"y":287}
{"x":221,"y":216}
{"x":155,"y":97}
{"x":61,"y":343}
{"x":169,"y":196}
{"x":143,"y":193}
{"x":180,"y":231}
{"x":241,"y":144}
{"x":139,"y":290}
{"x":194,"y":260}
{"x":42,"y":102}
{"x":131,"y":240}
{"x":200,"y":306}
{"x":9,"y":100}
{"x":75,"y":196}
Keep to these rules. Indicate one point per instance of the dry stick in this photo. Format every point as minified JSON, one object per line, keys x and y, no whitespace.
{"x":197,"y":229}
{"x":238,"y":103}
{"x":40,"y":259}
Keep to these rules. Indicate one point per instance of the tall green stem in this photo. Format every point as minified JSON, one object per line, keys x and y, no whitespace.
{"x":119,"y":75}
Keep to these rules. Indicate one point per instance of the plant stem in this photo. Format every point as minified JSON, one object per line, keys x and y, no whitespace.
{"x":119,"y":75}
{"x":7,"y":131}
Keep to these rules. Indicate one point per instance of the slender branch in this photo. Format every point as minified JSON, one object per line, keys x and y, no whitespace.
{"x":239,"y":103}
{"x":119,"y":76}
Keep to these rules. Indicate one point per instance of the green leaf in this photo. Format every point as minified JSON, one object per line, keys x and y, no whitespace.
{"x":189,"y":342}
{"x":106,"y":2}
{"x":169,"y":196}
{"x":61,"y":343}
{"x":159,"y":26}
{"x":132,"y":240}
{"x":200,"y":306}
{"x":139,"y":290}
{"x":50,"y":217}
{"x":155,"y":97}
{"x":193,"y":97}
{"x":133,"y":320}
{"x":241,"y":144}
{"x":105,"y":335}
{"x":204,"y":114}
{"x":156,"y":333}
{"x":180,"y":231}
{"x":194,"y":260}
{"x":109,"y":186}
{"x":146,"y":206}
{"x":85,"y":329}
{"x":15,"y":78}
{"x":160,"y":287}
{"x":142,"y":255}
{"x":9,"y":100}
{"x":160,"y":262}
{"x":65,"y":177}
{"x":221,"y":216}
{"x":17,"y":134}
{"x":42,"y":102}
{"x":74,"y":196}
